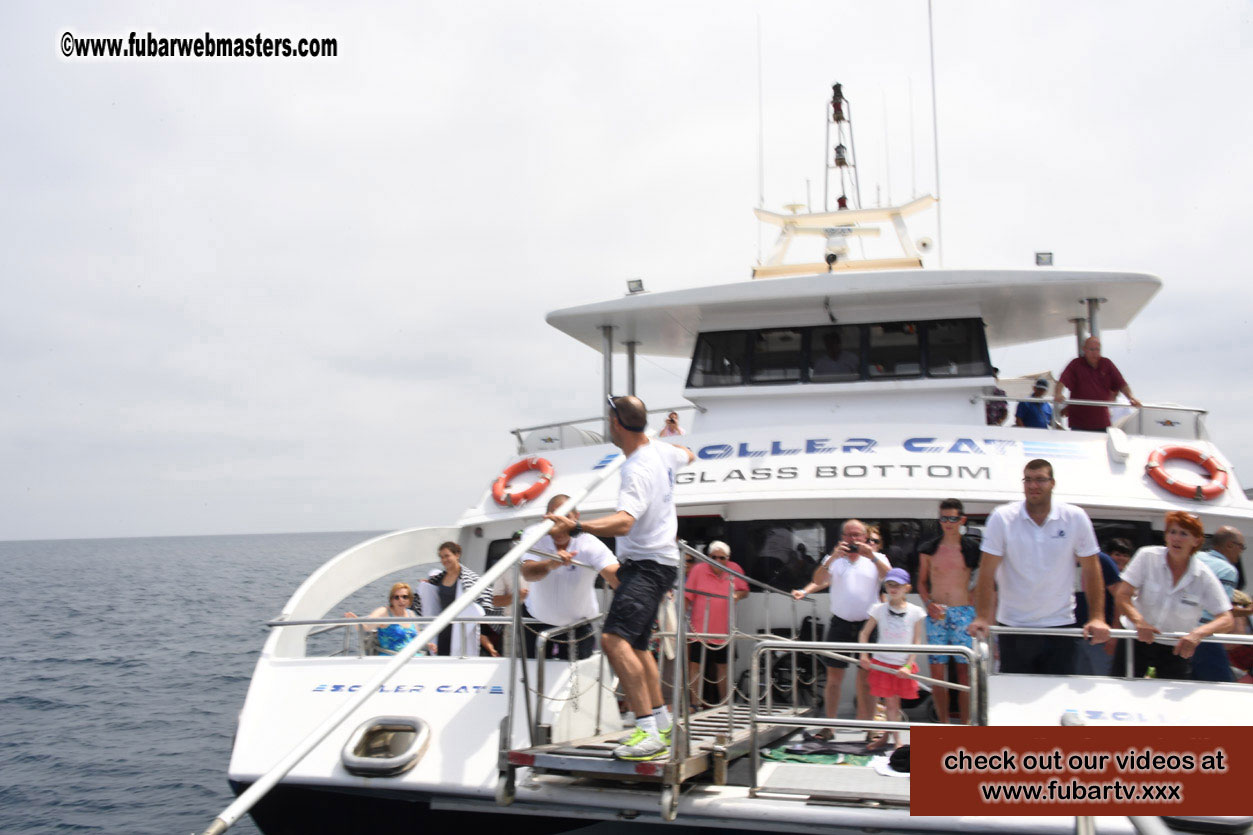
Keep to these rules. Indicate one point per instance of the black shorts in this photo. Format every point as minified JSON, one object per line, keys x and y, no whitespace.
{"x":843,"y":631}
{"x":1038,"y":654}
{"x":712,"y":655}
{"x":641,"y":586}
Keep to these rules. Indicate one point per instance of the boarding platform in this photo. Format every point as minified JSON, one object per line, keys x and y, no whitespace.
{"x":713,"y":740}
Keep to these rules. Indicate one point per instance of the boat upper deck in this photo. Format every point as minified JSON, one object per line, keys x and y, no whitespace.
{"x":1017,"y":305}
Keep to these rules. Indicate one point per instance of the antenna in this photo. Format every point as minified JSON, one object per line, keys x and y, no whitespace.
{"x":913,"y":148}
{"x":887,"y":147}
{"x":840,"y":114}
{"x":761,"y":139}
{"x":935,"y":129}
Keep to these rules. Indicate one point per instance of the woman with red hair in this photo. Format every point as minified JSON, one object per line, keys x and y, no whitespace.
{"x":1165,"y":588}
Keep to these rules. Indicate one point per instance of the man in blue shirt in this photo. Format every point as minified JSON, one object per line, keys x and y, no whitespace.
{"x":1035,"y":415}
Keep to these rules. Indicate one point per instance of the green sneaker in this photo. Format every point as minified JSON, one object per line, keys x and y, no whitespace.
{"x":665,"y":736}
{"x":642,"y":746}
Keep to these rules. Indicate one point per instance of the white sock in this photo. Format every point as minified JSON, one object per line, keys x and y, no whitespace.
{"x":662,"y":716}
{"x":647,"y":724}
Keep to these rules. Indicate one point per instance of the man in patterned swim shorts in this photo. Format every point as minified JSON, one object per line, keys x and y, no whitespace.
{"x":945,"y":567}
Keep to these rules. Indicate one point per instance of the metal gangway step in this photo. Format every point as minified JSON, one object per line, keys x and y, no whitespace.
{"x":712,"y":741}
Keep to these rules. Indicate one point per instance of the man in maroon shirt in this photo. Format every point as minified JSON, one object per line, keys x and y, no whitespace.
{"x":1091,"y":377}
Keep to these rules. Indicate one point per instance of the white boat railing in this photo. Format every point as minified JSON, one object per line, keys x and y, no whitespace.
{"x":557,"y":426}
{"x":1127,"y":635}
{"x":353,"y":628}
{"x":1191,"y":413}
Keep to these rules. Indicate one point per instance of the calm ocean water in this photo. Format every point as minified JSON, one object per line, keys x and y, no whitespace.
{"x":123,"y":664}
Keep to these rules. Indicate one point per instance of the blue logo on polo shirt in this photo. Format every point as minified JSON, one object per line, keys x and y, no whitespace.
{"x":1061,"y":534}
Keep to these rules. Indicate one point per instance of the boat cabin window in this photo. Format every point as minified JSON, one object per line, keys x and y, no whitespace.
{"x":955,"y":348}
{"x":777,"y":356}
{"x":835,"y":354}
{"x":841,"y":353}
{"x":720,"y":360}
{"x":894,"y":350}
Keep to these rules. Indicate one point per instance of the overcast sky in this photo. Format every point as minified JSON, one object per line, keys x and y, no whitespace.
{"x":278,"y":295}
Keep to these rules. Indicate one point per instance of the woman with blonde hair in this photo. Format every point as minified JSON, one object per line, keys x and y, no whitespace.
{"x":1167,"y":588}
{"x":393,"y":637}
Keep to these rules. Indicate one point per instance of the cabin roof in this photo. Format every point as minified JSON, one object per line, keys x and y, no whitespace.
{"x":1019,"y":306}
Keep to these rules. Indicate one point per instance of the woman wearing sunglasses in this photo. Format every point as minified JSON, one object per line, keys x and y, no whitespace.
{"x":393,"y":637}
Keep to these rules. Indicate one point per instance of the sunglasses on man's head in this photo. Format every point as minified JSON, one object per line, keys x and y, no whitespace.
{"x":628,"y":427}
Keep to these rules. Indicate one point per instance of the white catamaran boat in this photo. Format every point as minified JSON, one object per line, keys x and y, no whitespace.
{"x":816,"y":392}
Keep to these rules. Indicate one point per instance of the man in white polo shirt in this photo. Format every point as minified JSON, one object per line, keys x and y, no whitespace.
{"x":854,"y":571}
{"x":646,"y":526}
{"x":1026,"y":575}
{"x":562,"y":592}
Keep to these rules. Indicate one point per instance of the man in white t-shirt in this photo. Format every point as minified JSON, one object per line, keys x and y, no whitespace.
{"x":646,"y":526}
{"x":854,"y":571}
{"x":1027,"y":575}
{"x":562,"y":591}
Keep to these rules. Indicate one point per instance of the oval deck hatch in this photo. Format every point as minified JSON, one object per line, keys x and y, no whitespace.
{"x":386,"y":746}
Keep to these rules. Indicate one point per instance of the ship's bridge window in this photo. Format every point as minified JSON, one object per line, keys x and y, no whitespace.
{"x":894,"y":350}
{"x":835,"y":354}
{"x":955,"y":348}
{"x":841,"y":353}
{"x":777,"y":356}
{"x":720,"y":360}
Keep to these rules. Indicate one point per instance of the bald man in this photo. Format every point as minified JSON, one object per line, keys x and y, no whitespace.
{"x":645,"y":525}
{"x":1091,"y":377}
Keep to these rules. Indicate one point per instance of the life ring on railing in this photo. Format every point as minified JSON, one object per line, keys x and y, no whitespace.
{"x":540,"y":465}
{"x":1212,"y":489}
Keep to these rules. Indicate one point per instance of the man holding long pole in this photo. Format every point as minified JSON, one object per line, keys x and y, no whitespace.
{"x":645,"y":526}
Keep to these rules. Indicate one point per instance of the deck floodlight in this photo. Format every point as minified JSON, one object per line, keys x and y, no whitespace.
{"x":1044,"y":259}
{"x":635,"y":285}
{"x":841,"y":202}
{"x":841,"y":156}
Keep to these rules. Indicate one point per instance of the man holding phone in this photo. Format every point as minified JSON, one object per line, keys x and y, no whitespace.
{"x":854,"y":571}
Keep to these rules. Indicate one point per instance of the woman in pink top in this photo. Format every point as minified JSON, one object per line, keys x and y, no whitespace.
{"x":707,"y":591}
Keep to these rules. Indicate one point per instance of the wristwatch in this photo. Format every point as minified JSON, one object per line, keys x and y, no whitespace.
{"x":577,"y":530}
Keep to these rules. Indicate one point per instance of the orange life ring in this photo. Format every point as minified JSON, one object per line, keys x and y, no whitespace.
{"x":540,"y":465}
{"x":1212,"y":489}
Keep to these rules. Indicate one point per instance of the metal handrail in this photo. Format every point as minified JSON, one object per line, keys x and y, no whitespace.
{"x":517,"y":433}
{"x":977,"y":658}
{"x":732,"y":635}
{"x":347,"y":624}
{"x":1056,"y":423}
{"x":237,"y":809}
{"x":1168,"y":638}
{"x":541,"y":650}
{"x":1071,"y":401}
{"x":330,"y":623}
{"x":1128,"y":635}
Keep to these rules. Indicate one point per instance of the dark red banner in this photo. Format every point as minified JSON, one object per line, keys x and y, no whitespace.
{"x":1144,"y":770}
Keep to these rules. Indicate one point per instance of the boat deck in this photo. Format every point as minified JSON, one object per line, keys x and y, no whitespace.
{"x":710,"y":749}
